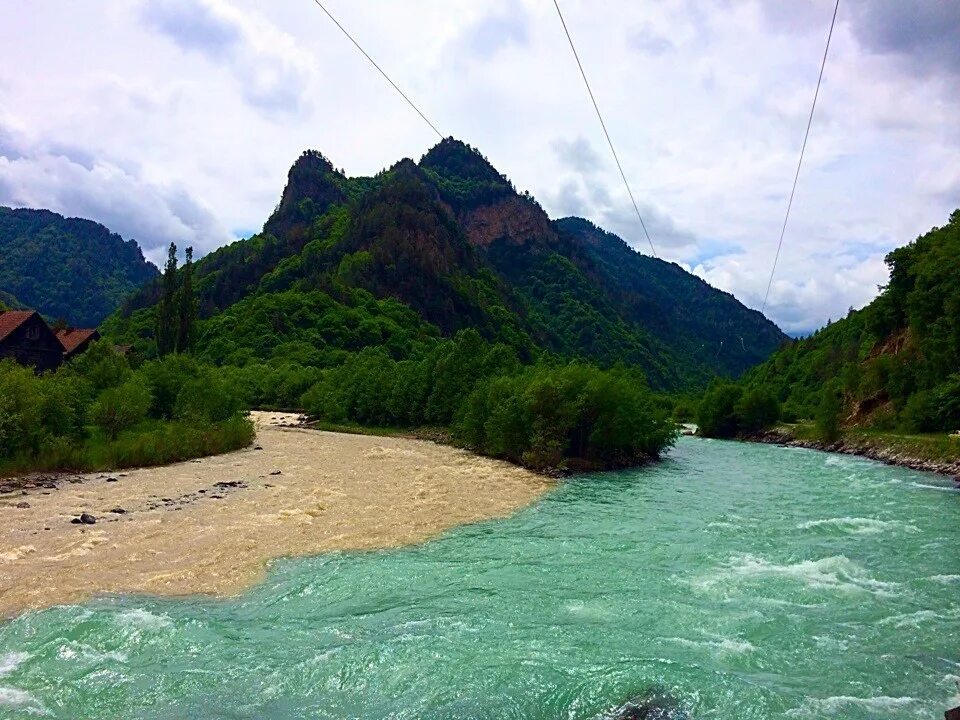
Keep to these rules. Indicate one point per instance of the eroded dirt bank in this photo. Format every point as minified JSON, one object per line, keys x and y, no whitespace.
{"x":211,"y":525}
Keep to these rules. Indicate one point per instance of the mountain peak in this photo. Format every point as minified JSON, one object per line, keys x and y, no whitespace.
{"x":313,"y":184}
{"x":454,"y":158}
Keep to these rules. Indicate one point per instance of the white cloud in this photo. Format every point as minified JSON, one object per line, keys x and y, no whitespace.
{"x":183,"y":111}
{"x":271,"y":70}
{"x":73,"y":182}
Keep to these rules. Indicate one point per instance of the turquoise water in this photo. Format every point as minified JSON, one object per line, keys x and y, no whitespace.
{"x":749,"y":581}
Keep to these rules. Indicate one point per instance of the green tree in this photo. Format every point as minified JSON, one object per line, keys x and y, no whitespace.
{"x":717,"y":413}
{"x":757,"y":409}
{"x":208,"y":397}
{"x":166,"y":328}
{"x":120,"y":408}
{"x":186,"y":307}
{"x":829,"y":410}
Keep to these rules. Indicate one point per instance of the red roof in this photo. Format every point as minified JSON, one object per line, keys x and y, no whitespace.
{"x":72,"y":338}
{"x":10,"y":320}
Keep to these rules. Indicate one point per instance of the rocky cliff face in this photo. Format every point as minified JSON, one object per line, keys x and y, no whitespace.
{"x":513,"y":220}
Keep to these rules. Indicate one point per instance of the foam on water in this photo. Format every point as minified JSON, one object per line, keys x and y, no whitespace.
{"x":141,"y":618}
{"x":946,"y":579}
{"x":11,"y":661}
{"x":841,"y":706}
{"x":830,"y":573}
{"x":16,"y":698}
{"x":858,"y":525}
{"x":734,"y":646}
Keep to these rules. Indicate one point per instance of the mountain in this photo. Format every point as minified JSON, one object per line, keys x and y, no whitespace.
{"x":893,"y":364}
{"x":9,"y":302}
{"x":431,"y":248}
{"x":67,"y":268}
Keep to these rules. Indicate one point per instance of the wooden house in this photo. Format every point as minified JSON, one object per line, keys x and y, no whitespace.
{"x":26,"y":337}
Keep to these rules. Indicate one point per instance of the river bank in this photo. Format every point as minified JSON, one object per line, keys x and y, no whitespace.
{"x":211,"y":525}
{"x":914,"y":452}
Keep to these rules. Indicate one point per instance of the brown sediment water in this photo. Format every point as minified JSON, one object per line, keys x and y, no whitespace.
{"x":211,"y":525}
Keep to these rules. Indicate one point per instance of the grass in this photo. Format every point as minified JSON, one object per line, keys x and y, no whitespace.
{"x":935,"y":447}
{"x":938,"y":447}
{"x":150,"y":443}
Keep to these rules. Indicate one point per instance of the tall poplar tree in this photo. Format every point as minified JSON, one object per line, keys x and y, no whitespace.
{"x":186,"y":306}
{"x":167,"y":307}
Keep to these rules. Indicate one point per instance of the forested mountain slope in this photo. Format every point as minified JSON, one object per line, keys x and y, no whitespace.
{"x":424,"y":250}
{"x":893,"y":364}
{"x":67,"y":268}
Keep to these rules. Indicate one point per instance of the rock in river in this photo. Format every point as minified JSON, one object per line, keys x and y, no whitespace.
{"x":654,"y":705}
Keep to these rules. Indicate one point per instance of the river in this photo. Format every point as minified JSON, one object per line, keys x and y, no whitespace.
{"x":748,"y":581}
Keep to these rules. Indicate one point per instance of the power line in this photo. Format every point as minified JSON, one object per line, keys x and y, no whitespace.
{"x":604,"y":126}
{"x":803,"y":149}
{"x":374,"y":63}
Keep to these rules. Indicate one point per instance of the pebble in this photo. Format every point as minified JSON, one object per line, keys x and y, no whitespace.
{"x":23,"y":505}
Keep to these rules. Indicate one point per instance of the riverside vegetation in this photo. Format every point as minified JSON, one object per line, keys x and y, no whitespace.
{"x":434,"y":294}
{"x":105,"y":410}
{"x":886,"y":375}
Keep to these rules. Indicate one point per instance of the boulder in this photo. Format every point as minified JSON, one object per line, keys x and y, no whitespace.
{"x":653,"y":705}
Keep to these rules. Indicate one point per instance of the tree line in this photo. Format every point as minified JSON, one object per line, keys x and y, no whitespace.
{"x":892,"y":366}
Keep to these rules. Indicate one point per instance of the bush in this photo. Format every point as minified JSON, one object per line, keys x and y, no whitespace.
{"x":121,"y":407}
{"x":21,"y":428}
{"x":921,"y":413}
{"x":547,"y":416}
{"x":717,"y":414}
{"x":209,"y":397}
{"x":757,"y":409}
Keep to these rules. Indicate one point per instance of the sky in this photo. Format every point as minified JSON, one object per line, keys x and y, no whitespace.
{"x":177,"y":120}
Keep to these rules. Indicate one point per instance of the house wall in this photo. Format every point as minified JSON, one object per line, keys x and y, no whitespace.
{"x":33,"y":343}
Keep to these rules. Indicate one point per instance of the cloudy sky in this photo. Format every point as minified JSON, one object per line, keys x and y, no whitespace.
{"x":176,"y":120}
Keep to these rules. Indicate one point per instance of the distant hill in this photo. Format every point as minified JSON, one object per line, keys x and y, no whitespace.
{"x":9,"y":302}
{"x":893,"y":364}
{"x":67,"y":268}
{"x":427,"y":249}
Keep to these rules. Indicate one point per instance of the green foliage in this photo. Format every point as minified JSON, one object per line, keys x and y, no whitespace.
{"x":893,"y":362}
{"x":828,"y":415}
{"x":44,"y":418}
{"x":717,"y":414}
{"x":542,"y":416}
{"x":120,"y":408}
{"x":101,"y":366}
{"x":921,"y":413}
{"x":547,"y":416}
{"x":208,"y":397}
{"x":176,"y":314}
{"x":67,"y":267}
{"x":452,"y":242}
{"x":757,"y":409}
